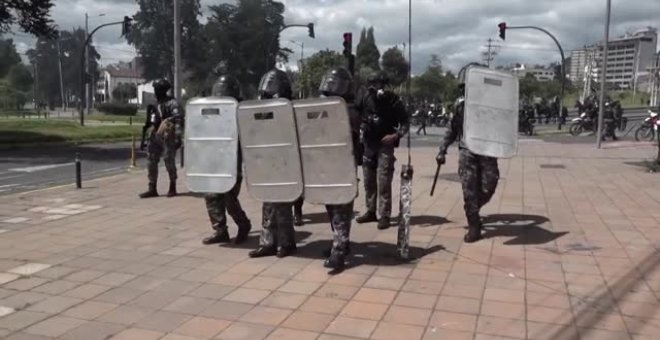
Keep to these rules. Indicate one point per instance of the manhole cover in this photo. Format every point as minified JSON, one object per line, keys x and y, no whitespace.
{"x":553,"y":166}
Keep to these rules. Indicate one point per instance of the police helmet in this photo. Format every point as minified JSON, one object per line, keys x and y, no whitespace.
{"x":226,"y":86}
{"x":275,"y":84}
{"x":162,"y":85}
{"x":337,"y":82}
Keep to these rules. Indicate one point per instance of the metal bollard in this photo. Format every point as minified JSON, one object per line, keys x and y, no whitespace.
{"x":182,"y":153}
{"x":78,"y":171}
{"x":130,"y":121}
{"x":133,"y":161}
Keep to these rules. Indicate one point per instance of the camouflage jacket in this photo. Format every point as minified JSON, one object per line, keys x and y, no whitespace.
{"x":454,"y":133}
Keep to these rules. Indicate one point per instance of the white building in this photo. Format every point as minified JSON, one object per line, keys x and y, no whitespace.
{"x":114,"y":75}
{"x":540,"y":73}
{"x":628,"y":60}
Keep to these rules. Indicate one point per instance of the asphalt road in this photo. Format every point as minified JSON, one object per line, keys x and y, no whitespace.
{"x":29,"y":169}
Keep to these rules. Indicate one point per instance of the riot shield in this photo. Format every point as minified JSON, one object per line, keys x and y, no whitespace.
{"x":491,"y":112}
{"x":271,"y":156}
{"x":326,"y":150}
{"x":211,"y":139}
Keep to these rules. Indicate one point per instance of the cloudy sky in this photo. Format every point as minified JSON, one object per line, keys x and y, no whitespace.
{"x":456,"y":30}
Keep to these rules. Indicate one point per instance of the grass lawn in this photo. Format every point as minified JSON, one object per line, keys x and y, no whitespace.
{"x":137,"y":119}
{"x":14,"y":132}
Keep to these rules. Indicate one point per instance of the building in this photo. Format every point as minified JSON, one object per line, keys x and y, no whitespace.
{"x":114,"y":75}
{"x":541,"y":73}
{"x":628,"y":60}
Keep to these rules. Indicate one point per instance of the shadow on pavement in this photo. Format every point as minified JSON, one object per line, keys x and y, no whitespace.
{"x":526,"y":229}
{"x":427,"y":220}
{"x":592,"y":309}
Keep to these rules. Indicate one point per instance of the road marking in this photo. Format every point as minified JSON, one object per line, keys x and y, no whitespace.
{"x":9,"y":185}
{"x":40,"y":167}
{"x":9,"y":177}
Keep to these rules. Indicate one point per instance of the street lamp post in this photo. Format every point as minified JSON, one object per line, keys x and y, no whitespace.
{"x":88,"y":86}
{"x":310,"y":28}
{"x":302,"y":65}
{"x":603,"y":75}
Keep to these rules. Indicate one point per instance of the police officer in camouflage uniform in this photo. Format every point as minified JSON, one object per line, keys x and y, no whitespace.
{"x":479,"y":174}
{"x":165,"y":138}
{"x":338,"y":83}
{"x":384,"y":122}
{"x":217,"y":205}
{"x":277,"y":236}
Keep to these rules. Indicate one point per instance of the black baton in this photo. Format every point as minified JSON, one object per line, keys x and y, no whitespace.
{"x":435,"y":179}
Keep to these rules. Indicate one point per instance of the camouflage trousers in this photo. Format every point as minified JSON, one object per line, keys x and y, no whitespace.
{"x":610,"y":128}
{"x":218,"y":205}
{"x":340,"y":216}
{"x":277,"y":224}
{"x":479,"y":176}
{"x":157,"y":149}
{"x":378,"y":169}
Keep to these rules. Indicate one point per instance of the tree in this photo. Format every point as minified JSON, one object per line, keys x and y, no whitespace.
{"x":33,"y":16}
{"x":315,"y":68}
{"x":367,"y":54}
{"x":8,"y":56}
{"x":395,"y":65}
{"x":20,"y":78}
{"x":152,"y":34}
{"x":124,"y":92}
{"x":44,"y":59}
{"x":529,"y":86}
{"x":243,"y":40}
{"x":433,"y":85}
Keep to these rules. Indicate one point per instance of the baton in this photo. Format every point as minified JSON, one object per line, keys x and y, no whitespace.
{"x":435,"y":179}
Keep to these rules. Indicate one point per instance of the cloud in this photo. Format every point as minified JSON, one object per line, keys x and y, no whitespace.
{"x":456,"y":30}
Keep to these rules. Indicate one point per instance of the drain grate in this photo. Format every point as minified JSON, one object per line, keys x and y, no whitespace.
{"x":553,"y":166}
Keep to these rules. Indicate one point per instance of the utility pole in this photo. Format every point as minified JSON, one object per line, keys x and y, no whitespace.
{"x":59,"y":62}
{"x":490,"y":54}
{"x":87,"y":64}
{"x":603,"y":75}
{"x":177,"y":51}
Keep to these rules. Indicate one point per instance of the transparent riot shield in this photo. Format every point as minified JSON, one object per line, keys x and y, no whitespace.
{"x":211,"y":139}
{"x":491,"y":112}
{"x":326,"y":150}
{"x":269,"y":143}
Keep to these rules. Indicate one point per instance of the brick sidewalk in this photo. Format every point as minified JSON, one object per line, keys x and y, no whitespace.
{"x":571,"y":253}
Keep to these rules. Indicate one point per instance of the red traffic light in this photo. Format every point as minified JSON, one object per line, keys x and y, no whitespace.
{"x":502,"y":26}
{"x":348,"y":43}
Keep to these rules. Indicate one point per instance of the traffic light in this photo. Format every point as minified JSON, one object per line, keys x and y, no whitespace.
{"x":126,"y":26}
{"x":502,"y":26}
{"x":310,"y":29}
{"x":348,"y":44}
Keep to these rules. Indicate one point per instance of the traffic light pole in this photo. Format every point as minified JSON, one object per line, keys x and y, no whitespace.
{"x":563,"y":61}
{"x":309,"y":26}
{"x":81,"y":107}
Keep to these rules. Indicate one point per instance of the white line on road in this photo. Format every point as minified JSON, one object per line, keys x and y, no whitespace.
{"x":40,"y":167}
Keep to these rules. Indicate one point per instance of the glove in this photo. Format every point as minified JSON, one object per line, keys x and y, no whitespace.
{"x":440,"y":158}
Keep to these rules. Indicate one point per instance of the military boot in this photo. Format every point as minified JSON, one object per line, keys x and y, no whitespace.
{"x":218,"y":237}
{"x":367,"y":217}
{"x":297,"y":218}
{"x":151,"y":192}
{"x":263,"y":251}
{"x":172,"y":191}
{"x":286,"y":251}
{"x":242,"y":234}
{"x":474,"y":230}
{"x":383,"y":223}
{"x":335,"y":261}
{"x":346,"y":250}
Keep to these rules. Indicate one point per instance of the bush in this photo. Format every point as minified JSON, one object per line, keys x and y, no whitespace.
{"x":118,"y":109}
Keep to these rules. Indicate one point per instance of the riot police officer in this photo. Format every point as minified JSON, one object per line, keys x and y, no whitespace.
{"x":338,"y":82}
{"x":479,"y":174}
{"x":218,"y":205}
{"x":277,"y":235}
{"x":384,"y":122}
{"x":165,"y":138}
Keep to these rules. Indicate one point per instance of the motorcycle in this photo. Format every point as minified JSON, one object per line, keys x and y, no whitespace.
{"x":438,"y":119}
{"x":648,"y":129}
{"x":581,"y":124}
{"x":417,"y":118}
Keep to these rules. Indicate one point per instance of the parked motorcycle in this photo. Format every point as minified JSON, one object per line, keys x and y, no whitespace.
{"x":648,"y":129}
{"x":581,"y":124}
